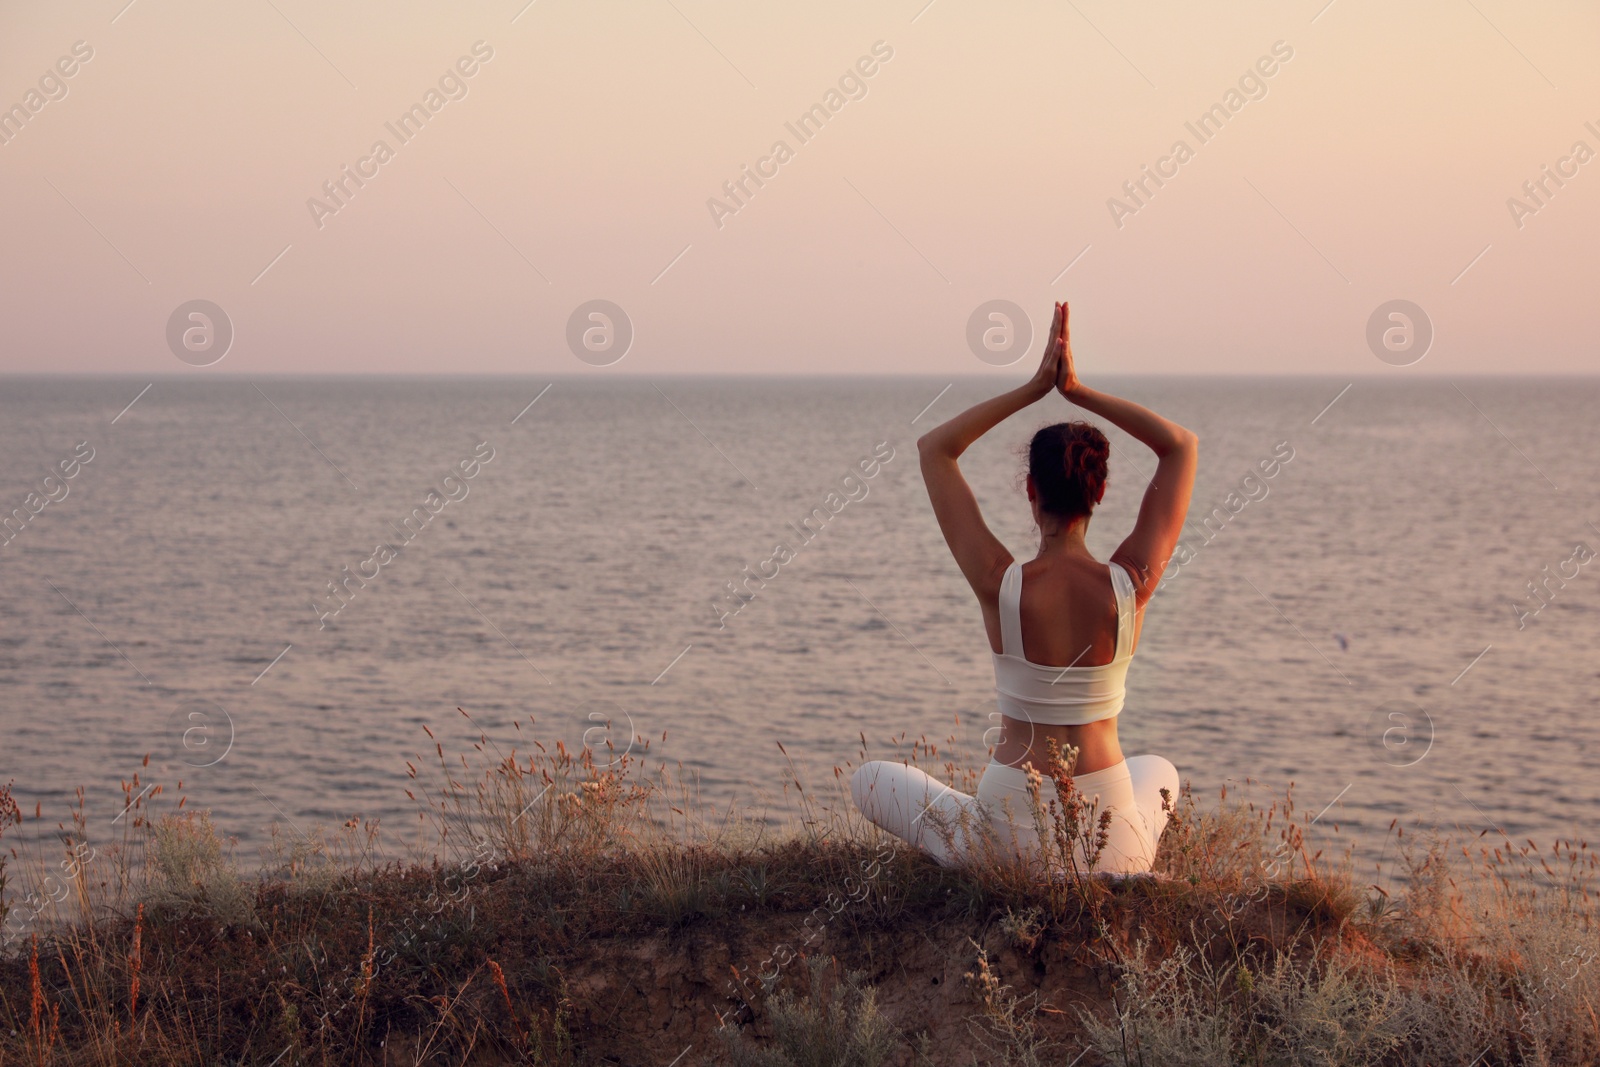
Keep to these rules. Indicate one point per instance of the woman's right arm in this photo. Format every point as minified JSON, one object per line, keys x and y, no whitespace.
{"x":1147,"y":549}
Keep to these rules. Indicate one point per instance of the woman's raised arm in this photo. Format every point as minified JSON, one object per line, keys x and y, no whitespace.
{"x":978,"y":552}
{"x":1147,"y":549}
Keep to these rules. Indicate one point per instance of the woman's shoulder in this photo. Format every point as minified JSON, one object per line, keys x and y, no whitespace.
{"x":1139,"y":581}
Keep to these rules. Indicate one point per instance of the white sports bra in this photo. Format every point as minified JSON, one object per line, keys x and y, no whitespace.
{"x":1061,"y":696}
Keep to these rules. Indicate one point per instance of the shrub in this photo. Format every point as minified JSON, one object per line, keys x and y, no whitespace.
{"x":189,"y":871}
{"x":835,"y":1025}
{"x":11,"y":815}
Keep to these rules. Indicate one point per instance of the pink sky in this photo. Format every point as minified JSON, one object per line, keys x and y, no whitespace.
{"x":974,"y":163}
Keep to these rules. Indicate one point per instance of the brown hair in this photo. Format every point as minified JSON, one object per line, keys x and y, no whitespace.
{"x":1067,"y":462}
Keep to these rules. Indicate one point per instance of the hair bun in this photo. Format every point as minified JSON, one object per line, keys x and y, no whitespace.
{"x":1067,"y":462}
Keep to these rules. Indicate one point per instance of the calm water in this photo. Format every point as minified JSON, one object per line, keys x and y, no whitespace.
{"x":1319,"y":635}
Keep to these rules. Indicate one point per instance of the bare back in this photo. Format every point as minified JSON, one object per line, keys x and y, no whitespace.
{"x":1069,"y":612}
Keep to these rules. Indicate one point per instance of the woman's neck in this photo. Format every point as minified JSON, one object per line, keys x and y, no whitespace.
{"x":1064,"y":539}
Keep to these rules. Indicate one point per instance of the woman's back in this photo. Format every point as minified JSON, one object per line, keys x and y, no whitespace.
{"x":1068,"y":610}
{"x":1068,"y":627}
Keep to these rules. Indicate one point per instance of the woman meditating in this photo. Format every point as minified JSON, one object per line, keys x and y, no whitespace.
{"x":1062,"y":627}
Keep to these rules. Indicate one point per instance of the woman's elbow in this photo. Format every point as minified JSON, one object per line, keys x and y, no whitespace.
{"x":1182,"y":442}
{"x":930,"y":447}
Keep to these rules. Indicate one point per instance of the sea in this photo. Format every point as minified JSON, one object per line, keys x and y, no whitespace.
{"x":267,"y":596}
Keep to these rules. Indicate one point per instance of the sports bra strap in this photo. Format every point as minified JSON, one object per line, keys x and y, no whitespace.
{"x":1127,"y":609}
{"x":1011,"y":610}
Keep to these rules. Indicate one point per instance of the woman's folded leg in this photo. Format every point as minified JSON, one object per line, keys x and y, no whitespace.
{"x":916,"y":807}
{"x":1127,"y":849}
{"x":948,"y":824}
{"x":1152,"y":774}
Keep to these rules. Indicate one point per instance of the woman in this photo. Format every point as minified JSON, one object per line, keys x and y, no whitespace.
{"x":1062,"y":628}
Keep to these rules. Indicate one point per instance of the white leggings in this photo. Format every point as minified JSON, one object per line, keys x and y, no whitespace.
{"x":900,"y":798}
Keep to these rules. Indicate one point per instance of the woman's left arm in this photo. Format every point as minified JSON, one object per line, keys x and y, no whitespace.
{"x":978,"y":552}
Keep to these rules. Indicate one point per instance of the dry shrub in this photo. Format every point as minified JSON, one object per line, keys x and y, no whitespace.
{"x":542,"y":803}
{"x":190,"y":871}
{"x":1006,"y":1025}
{"x":1183,"y":1009}
{"x":1511,"y":949}
{"x":1329,"y":1012}
{"x":10,"y":815}
{"x":836,"y":1024}
{"x":1168,"y":1012}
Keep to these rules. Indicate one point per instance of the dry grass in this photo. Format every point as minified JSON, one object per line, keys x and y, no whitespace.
{"x":563,"y":907}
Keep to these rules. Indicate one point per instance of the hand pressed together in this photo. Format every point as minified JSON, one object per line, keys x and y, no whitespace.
{"x":1055,"y":367}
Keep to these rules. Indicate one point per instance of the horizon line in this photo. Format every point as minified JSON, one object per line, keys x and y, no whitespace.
{"x":765,"y":376}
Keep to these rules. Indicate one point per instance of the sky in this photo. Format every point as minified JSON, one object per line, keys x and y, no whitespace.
{"x":1360,"y":153}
